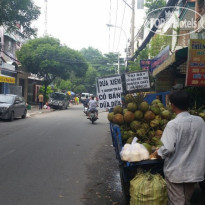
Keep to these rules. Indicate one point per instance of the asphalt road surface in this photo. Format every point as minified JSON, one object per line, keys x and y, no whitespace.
{"x":60,"y":158}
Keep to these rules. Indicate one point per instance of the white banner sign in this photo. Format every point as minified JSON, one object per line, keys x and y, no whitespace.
{"x":137,"y":81}
{"x":109,"y":91}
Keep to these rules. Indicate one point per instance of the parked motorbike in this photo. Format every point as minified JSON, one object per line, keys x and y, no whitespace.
{"x":93,"y":116}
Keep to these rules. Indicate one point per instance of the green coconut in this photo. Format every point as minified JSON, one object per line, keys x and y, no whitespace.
{"x":131,"y":133}
{"x":129,"y":140}
{"x":129,"y":116}
{"x":141,"y":132}
{"x":166,"y":114}
{"x":155,"y":101}
{"x":160,"y":104}
{"x":144,"y":106}
{"x":154,"y":123}
{"x":138,"y":114}
{"x":157,"y":142}
{"x":110,"y":116}
{"x":163,"y":122}
{"x":151,"y":133}
{"x":118,"y":109}
{"x":149,"y":115}
{"x":129,"y":98}
{"x":145,"y":126}
{"x":125,"y":110}
{"x":134,"y":125}
{"x":148,"y":147}
{"x":125,"y":136}
{"x":155,"y":109}
{"x":118,"y":119}
{"x":132,"y":107}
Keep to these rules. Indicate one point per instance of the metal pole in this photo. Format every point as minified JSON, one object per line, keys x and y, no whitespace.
{"x":133,"y":28}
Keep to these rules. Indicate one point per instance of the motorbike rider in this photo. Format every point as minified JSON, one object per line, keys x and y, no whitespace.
{"x":85,"y":102}
{"x":92,"y":104}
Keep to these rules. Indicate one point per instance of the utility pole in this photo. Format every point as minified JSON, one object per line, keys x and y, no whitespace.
{"x":132,"y":28}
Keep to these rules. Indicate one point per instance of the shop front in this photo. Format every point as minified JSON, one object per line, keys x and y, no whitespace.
{"x":7,"y":77}
{"x":171,"y":73}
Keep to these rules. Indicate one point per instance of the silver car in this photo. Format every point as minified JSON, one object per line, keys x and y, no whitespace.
{"x":12,"y":106}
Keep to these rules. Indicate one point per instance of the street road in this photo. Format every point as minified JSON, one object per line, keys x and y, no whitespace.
{"x":60,"y":158}
{"x":46,"y":159}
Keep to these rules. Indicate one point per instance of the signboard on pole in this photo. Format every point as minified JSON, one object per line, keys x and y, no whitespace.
{"x":109,"y":90}
{"x":137,"y":80}
{"x":195,"y":75}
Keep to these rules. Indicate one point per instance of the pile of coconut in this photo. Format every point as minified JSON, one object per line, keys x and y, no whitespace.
{"x":142,"y":120}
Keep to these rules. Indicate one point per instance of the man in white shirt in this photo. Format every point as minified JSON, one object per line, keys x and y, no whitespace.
{"x":183,"y":150}
{"x":92,"y":104}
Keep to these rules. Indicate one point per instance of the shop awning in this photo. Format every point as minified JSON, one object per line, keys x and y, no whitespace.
{"x":176,"y":59}
{"x":7,"y":79}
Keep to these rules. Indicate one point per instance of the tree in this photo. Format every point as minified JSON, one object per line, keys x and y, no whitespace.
{"x":154,"y":4}
{"x":65,"y":85}
{"x":48,"y":91}
{"x":80,"y":89}
{"x":104,"y":64}
{"x":19,"y":12}
{"x":90,"y":79}
{"x":158,"y":43}
{"x":47,"y":58}
{"x":135,"y":65}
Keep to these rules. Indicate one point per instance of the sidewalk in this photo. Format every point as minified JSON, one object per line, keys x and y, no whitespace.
{"x":35,"y":110}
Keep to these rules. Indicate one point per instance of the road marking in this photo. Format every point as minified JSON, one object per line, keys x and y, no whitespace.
{"x":6,"y":154}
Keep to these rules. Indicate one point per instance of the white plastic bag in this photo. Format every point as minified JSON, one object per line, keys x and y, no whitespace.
{"x":134,"y":152}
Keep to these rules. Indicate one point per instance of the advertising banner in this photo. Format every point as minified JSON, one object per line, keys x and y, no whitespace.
{"x":109,"y":90}
{"x":195,"y":75}
{"x":137,"y":80}
{"x":160,"y":58}
{"x":146,"y":64}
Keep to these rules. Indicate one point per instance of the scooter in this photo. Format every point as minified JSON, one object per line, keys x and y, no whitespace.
{"x":93,"y":116}
{"x":85,"y":110}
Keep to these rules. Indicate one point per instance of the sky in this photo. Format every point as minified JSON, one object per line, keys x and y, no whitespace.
{"x":82,"y":23}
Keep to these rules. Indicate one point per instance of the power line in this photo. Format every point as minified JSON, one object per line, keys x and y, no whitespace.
{"x":46,"y":17}
{"x":109,"y":22}
{"x":115,"y":25}
{"x":121,"y":27}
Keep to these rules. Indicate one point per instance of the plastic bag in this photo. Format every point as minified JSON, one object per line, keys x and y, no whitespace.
{"x":134,"y":152}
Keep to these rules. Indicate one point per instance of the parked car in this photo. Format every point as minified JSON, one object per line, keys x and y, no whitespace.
{"x":58,"y":100}
{"x":12,"y":106}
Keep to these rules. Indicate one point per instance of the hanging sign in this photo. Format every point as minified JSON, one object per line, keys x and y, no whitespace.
{"x":109,"y":91}
{"x":196,"y":63}
{"x":137,"y":80}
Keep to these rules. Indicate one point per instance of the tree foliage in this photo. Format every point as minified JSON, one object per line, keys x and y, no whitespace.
{"x":104,"y":64}
{"x":19,"y":12}
{"x":154,"y":4}
{"x":158,"y":43}
{"x":47,"y":58}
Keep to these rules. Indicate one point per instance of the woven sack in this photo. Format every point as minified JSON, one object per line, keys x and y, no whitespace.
{"x":148,"y":189}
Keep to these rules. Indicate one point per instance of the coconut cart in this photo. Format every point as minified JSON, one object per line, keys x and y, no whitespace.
{"x":128,"y":170}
